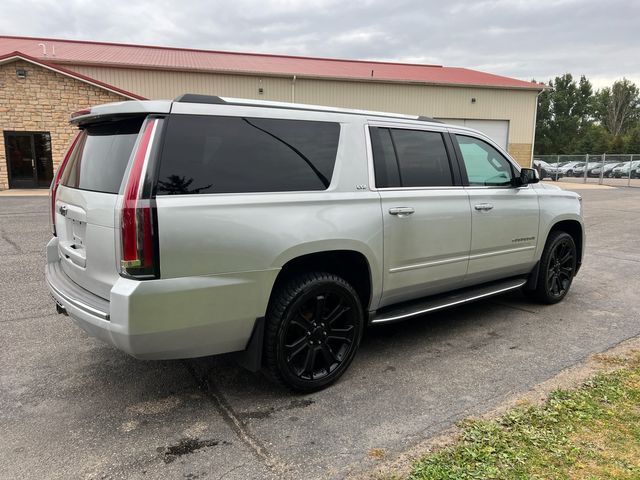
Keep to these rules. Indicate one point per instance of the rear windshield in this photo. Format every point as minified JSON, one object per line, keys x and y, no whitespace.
{"x":207,"y":154}
{"x":101,"y":155}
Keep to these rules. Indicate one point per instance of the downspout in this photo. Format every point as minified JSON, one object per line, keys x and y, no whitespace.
{"x":293,"y":89}
{"x":535,"y":120}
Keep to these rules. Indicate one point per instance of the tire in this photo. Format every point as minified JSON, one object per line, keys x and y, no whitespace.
{"x":313,"y":329}
{"x":557,"y":269}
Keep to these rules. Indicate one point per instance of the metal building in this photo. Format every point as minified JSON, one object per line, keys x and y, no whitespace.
{"x":43,"y":80}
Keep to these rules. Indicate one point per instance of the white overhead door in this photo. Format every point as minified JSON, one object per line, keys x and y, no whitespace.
{"x":497,"y":130}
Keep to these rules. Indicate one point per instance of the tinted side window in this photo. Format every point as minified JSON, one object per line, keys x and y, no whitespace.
{"x":384,"y":158}
{"x":410,"y":158}
{"x":422,"y":158}
{"x":484,"y":164}
{"x":101,"y":155}
{"x":205,"y":154}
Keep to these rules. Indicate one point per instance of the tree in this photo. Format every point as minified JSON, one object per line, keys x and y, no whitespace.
{"x":618,"y":106}
{"x":617,"y":145}
{"x":594,"y":139}
{"x":632,"y":141}
{"x":563,"y":113}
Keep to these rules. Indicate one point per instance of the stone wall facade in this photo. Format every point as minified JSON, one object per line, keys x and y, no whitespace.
{"x":521,"y":152}
{"x":43,"y":102}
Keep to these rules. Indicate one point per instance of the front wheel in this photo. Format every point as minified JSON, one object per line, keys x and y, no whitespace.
{"x":313,"y":329}
{"x":557,"y":269}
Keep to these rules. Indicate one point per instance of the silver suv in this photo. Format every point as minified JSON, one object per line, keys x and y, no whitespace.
{"x":279,"y":232}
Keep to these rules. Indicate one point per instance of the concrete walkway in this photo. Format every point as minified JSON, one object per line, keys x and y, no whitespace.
{"x":25,"y":192}
{"x":580,"y":186}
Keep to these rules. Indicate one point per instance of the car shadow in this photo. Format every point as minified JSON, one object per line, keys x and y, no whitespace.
{"x":221,"y":375}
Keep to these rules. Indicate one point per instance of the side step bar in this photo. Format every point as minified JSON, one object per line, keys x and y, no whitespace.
{"x":421,"y":306}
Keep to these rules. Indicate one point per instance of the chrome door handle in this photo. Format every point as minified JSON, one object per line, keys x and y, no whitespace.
{"x":401,"y":211}
{"x":483,"y":207}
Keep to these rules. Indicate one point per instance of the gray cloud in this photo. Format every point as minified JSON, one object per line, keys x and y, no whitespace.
{"x":523,"y":39}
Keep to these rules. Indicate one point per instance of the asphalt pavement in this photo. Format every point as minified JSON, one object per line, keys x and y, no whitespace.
{"x":73,"y":407}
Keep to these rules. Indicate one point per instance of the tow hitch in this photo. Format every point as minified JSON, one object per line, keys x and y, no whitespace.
{"x":61,"y":309}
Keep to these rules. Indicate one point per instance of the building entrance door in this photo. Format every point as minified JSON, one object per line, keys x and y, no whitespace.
{"x":29,"y":161}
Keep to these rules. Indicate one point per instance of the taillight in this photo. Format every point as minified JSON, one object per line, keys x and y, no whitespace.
{"x":80,"y":113}
{"x":136,"y":217}
{"x":56,"y":180}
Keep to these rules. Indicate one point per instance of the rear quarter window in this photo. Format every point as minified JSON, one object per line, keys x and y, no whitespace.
{"x":209,"y":154}
{"x":101,"y":156}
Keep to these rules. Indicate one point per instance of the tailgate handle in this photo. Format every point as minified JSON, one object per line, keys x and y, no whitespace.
{"x":71,"y":253}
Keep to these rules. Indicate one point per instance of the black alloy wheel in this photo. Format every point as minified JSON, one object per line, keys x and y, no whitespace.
{"x":557,"y":268}
{"x":560,"y":268}
{"x":314,"y":327}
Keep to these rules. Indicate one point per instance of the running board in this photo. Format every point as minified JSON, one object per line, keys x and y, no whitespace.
{"x":431,"y":304}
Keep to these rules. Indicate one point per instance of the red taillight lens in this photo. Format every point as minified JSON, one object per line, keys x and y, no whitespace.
{"x":136,"y":220}
{"x":56,"y":180}
{"x":80,"y":113}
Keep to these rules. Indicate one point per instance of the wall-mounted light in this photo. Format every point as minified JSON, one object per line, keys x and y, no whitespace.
{"x":260,"y":90}
{"x":21,"y":73}
{"x":473,"y":99}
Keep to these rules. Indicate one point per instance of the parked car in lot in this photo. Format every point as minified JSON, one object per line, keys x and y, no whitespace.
{"x":279,"y":232}
{"x":546,"y":170}
{"x":607,"y":170}
{"x":578,"y":171}
{"x":623,"y":171}
{"x":568,"y":168}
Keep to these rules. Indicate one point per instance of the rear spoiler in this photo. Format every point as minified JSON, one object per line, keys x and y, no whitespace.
{"x":119,"y":109}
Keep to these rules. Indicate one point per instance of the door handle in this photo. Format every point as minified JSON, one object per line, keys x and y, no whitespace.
{"x":401,"y":211}
{"x":483,"y":207}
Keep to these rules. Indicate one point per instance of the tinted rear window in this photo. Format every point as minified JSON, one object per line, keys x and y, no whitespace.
{"x":206,"y":154}
{"x":101,"y":155}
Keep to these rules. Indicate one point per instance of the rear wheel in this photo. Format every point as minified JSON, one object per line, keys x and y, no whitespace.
{"x":557,"y":268}
{"x":313,"y":329}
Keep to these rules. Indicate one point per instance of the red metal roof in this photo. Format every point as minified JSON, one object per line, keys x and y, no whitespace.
{"x":123,"y":55}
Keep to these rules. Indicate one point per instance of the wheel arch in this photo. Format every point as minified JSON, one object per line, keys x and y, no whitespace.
{"x":352,"y":265}
{"x":576,"y":230}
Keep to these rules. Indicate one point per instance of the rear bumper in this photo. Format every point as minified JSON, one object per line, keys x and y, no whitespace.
{"x":166,"y":318}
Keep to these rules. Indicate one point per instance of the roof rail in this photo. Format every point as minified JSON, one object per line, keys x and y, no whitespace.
{"x":198,"y":98}
{"x":422,"y":118}
{"x":215,"y":100}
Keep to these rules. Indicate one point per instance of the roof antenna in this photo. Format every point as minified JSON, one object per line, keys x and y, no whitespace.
{"x":44,"y":48}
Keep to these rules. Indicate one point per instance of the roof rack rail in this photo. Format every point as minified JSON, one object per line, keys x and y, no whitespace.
{"x":422,"y":118}
{"x":215,"y":100}
{"x":198,"y":98}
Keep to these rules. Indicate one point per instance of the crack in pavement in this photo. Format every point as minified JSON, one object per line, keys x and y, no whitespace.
{"x":226,"y":411}
{"x":36,"y":317}
{"x":615,"y":258}
{"x":13,"y":214}
{"x":6,"y":238}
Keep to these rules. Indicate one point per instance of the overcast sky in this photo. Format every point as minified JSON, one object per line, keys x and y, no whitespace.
{"x":523,"y":39}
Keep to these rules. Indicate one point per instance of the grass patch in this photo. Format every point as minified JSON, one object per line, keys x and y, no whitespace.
{"x":592,"y":432}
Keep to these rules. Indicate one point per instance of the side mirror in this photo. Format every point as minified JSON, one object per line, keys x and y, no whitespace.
{"x":527,"y":176}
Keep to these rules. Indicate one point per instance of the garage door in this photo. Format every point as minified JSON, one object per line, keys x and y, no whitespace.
{"x":497,"y":130}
